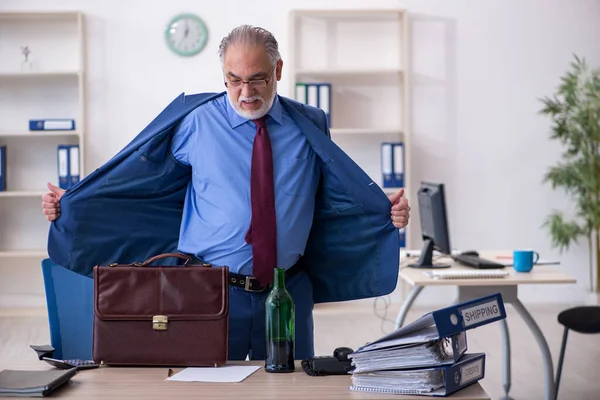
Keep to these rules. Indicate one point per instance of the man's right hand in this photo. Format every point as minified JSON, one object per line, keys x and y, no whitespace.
{"x":51,"y":202}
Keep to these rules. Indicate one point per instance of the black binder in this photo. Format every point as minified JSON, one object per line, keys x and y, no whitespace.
{"x":17,"y":383}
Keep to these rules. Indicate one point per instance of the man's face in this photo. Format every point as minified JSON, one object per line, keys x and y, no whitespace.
{"x":246,"y":70}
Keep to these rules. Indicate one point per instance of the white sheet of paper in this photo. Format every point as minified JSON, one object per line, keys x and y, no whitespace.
{"x":226,"y":373}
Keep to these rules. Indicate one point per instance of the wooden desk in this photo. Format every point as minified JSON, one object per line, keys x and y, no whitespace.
{"x":126,"y":383}
{"x":469,"y":289}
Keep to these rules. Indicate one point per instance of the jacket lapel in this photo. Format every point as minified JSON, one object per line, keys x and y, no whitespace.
{"x":353,"y":248}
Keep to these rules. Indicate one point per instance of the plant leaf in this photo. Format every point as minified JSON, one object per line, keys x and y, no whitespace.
{"x":563,"y":233}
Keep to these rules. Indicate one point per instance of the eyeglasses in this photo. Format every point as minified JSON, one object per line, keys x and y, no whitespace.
{"x":255,"y":83}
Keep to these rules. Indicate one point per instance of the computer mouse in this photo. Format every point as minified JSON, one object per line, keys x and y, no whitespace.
{"x":470,"y":253}
{"x":341,"y":353}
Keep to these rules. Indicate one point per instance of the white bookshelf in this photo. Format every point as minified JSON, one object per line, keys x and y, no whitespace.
{"x":363,"y":54}
{"x":40,"y":134}
{"x":23,"y":193}
{"x":52,"y":88}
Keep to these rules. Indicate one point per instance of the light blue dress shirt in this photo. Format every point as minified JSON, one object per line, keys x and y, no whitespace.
{"x":217,"y":143}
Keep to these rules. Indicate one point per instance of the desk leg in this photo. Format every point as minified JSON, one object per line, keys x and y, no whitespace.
{"x":406,"y":305}
{"x":539,"y":337}
{"x":505,"y":359}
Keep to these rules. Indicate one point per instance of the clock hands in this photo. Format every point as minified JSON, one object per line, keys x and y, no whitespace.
{"x":186,"y":34}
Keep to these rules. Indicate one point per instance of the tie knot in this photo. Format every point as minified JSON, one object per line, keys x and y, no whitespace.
{"x":261,"y":122}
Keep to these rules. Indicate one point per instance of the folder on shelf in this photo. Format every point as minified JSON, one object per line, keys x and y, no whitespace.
{"x":301,"y":94}
{"x":444,"y":322}
{"x":73,"y":164}
{"x":324,"y":100}
{"x":2,"y":168}
{"x":398,"y":164}
{"x":317,"y":95}
{"x":432,"y":353}
{"x":51,"y":124}
{"x":63,"y":166}
{"x":312,"y":95}
{"x":387,"y":164}
{"x":436,"y":381}
{"x":403,"y":237}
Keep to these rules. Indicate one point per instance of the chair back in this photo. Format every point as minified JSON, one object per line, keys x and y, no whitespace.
{"x":70,"y":302}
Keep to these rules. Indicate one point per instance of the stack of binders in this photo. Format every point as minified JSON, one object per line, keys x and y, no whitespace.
{"x":429,"y":356}
{"x":68,"y":165}
{"x":316,"y":95}
{"x":392,"y":164}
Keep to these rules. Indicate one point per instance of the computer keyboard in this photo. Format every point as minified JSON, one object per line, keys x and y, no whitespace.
{"x":476,"y":262}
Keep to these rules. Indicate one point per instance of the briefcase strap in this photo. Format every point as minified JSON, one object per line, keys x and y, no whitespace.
{"x":146,"y":263}
{"x":176,"y":255}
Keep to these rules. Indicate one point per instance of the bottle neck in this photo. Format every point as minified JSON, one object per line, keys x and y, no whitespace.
{"x":279,"y":281}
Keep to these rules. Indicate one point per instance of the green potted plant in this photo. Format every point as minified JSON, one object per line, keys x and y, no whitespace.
{"x":575,"y":114}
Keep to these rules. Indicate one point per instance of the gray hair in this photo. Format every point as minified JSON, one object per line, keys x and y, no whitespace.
{"x":251,"y":36}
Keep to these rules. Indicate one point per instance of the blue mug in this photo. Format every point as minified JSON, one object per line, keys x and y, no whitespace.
{"x":524,"y":260}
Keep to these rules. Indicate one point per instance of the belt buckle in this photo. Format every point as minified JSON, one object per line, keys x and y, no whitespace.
{"x":247,"y":285}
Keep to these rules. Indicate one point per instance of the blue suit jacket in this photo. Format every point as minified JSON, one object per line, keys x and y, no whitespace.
{"x":131,"y":207}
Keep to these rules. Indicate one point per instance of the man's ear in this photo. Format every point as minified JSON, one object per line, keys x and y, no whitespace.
{"x":278,"y":69}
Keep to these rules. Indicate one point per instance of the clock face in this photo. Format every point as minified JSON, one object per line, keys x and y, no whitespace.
{"x":186,"y":35}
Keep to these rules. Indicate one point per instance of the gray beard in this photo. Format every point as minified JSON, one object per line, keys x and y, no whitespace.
{"x":255,"y":114}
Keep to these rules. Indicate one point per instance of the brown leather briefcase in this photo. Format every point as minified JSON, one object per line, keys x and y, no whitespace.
{"x":161,"y":315}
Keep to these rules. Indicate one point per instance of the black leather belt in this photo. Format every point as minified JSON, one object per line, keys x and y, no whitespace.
{"x":251,"y":284}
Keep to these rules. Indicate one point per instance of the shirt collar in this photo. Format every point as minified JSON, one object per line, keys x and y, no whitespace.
{"x":235,"y":119}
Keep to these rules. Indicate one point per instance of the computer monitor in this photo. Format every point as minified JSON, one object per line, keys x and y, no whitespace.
{"x":434,"y":224}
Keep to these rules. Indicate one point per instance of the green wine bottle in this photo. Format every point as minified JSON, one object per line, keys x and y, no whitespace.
{"x":280,"y":327}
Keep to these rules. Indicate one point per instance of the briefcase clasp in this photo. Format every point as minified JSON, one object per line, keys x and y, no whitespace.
{"x":159,"y":322}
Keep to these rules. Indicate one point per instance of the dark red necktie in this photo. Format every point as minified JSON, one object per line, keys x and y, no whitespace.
{"x":262,"y":233}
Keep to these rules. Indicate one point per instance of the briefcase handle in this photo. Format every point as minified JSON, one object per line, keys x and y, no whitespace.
{"x":166,"y":255}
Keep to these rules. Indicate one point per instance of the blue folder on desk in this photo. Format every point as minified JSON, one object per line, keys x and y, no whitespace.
{"x":445,"y":322}
{"x":445,"y":351}
{"x":437,"y":381}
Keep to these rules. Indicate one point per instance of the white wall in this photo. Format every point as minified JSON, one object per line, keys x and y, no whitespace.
{"x":479,"y":68}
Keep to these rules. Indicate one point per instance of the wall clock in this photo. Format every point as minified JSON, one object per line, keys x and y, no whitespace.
{"x":186,"y":34}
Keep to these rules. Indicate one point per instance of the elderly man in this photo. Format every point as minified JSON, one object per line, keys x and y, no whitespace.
{"x":266,"y":187}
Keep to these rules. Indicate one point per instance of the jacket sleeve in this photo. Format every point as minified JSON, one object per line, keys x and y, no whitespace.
{"x":130,"y":208}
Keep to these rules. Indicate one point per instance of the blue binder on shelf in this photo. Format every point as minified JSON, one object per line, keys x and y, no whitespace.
{"x":316,"y":95}
{"x":73,"y":164}
{"x":398,"y":164}
{"x":51,"y":124}
{"x":387,"y":164}
{"x":445,"y":322}
{"x":437,"y":381}
{"x":403,"y":237}
{"x":2,"y":168}
{"x":63,"y":166}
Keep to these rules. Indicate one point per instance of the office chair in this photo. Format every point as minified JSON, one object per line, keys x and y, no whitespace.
{"x":70,"y":302}
{"x":584,"y":319}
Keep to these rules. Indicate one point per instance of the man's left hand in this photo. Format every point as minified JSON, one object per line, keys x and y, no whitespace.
{"x":400,"y":209}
